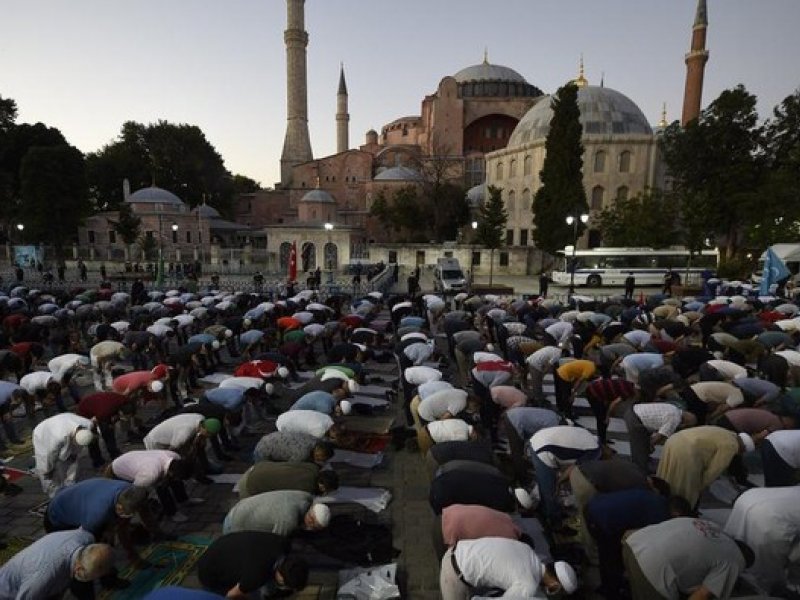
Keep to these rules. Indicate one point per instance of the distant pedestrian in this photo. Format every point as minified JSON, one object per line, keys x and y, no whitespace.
{"x":630,"y":284}
{"x":19,"y":273}
{"x":544,"y":282}
{"x":83,"y":272}
{"x":669,"y":278}
{"x":103,"y":274}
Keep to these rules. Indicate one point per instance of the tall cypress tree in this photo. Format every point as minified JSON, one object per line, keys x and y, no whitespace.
{"x":562,"y":192}
{"x":492,"y":221}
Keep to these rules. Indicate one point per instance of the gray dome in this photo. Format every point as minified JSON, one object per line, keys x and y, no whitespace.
{"x":476,"y":195}
{"x":603,"y":112}
{"x":398,"y":174}
{"x":154,"y":195}
{"x":488,"y":72}
{"x":206,"y":211}
{"x":318,"y":195}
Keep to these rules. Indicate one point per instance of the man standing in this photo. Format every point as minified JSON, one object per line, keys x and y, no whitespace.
{"x":630,"y":285}
{"x":544,"y":282}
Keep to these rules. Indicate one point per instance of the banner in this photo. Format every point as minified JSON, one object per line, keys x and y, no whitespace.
{"x":293,"y":262}
{"x":774,"y":270}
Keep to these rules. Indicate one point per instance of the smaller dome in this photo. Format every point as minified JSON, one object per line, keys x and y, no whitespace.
{"x":318,"y":195}
{"x":154,"y":195}
{"x":476,"y":195}
{"x":398,"y":174}
{"x":206,"y":211}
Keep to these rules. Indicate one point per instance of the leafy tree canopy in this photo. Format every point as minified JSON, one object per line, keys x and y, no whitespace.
{"x":562,"y":192}
{"x":648,"y":219}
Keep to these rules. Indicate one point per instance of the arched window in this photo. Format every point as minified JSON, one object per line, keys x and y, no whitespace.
{"x":285,"y":251}
{"x":527,"y":165}
{"x":308,"y":256}
{"x":526,"y":199}
{"x":622,"y":192}
{"x":331,"y":256}
{"x":597,"y":197}
{"x":499,"y":172}
{"x":512,"y":169}
{"x":625,"y":162}
{"x":511,"y":203}
{"x":599,"y":161}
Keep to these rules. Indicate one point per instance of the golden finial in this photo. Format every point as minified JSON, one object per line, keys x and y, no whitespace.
{"x":581,"y":81}
{"x":663,"y":121}
{"x":486,"y":55}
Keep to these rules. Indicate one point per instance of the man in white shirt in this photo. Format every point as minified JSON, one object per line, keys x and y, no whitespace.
{"x":311,"y":422}
{"x":715,"y":397}
{"x":102,"y":356}
{"x":780,"y":455}
{"x":57,"y":443}
{"x":496,"y":562}
{"x":41,"y":386}
{"x":444,"y":404}
{"x":540,"y":363}
{"x":721,"y":370}
{"x":650,"y":424}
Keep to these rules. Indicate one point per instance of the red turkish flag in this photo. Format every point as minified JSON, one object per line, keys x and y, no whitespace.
{"x":293,"y":262}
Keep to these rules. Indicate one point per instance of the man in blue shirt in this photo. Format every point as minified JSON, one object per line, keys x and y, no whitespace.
{"x":323,"y":402}
{"x":609,"y":516}
{"x":103,"y":507}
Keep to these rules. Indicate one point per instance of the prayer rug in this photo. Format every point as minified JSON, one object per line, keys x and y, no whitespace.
{"x":13,"y":545}
{"x":180,"y":557}
{"x":372,"y":424}
{"x":26,"y":447}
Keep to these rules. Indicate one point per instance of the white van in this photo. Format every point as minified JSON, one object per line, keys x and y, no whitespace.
{"x":448,"y":278}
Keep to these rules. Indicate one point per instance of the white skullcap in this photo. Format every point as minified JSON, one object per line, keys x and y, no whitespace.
{"x":155,"y":386}
{"x":566,"y":576}
{"x":215,"y":345}
{"x":749,"y":444}
{"x":283,"y":372}
{"x":524,"y":498}
{"x":269,"y":388}
{"x":470,"y":429}
{"x":490,"y":347}
{"x":346,"y":407}
{"x":83,"y":437}
{"x":353,"y":386}
{"x":228,"y":333}
{"x":247,"y":322}
{"x":322,"y":514}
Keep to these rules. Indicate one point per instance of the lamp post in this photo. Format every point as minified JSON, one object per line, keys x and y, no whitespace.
{"x":329,"y":260}
{"x":472,"y":255}
{"x":573,"y":220}
{"x":21,"y":228}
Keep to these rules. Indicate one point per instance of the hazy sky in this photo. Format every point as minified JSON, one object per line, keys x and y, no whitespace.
{"x":86,"y":66}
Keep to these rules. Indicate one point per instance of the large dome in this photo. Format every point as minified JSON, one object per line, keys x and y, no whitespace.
{"x":154,"y":195}
{"x":488,"y":72}
{"x":398,"y":173}
{"x":318,"y":195}
{"x":603,"y":112}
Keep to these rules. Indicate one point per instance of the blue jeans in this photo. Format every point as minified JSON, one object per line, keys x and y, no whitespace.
{"x":546,"y":477}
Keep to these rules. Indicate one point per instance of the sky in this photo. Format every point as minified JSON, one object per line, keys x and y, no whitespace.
{"x":87,"y":66}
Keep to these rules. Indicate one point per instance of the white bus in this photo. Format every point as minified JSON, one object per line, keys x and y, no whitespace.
{"x":611,"y":266}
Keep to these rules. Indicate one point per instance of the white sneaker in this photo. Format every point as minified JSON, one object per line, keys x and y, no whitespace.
{"x":195,"y":501}
{"x":179,"y":517}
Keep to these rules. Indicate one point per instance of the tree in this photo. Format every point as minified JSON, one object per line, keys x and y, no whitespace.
{"x":561,"y":193}
{"x":491,"y":230}
{"x":406,"y":215}
{"x":645,"y":220}
{"x":719,"y":166}
{"x":54,"y":194}
{"x":8,"y":113}
{"x":128,"y":226}
{"x":442,"y":179}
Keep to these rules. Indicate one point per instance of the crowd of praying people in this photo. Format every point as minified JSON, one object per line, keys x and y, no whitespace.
{"x":526,"y":495}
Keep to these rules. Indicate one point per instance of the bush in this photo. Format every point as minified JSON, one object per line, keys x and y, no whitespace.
{"x":735,"y":268}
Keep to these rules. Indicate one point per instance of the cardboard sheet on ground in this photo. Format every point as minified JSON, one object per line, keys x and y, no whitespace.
{"x":357,"y":459}
{"x":374,"y":499}
{"x":373,"y":424}
{"x":214,"y":378}
{"x":376,"y":402}
{"x":226,"y":478}
{"x":374,"y":390}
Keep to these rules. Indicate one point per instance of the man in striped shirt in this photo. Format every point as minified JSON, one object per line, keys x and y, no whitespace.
{"x":650,"y":424}
{"x":609,"y":396}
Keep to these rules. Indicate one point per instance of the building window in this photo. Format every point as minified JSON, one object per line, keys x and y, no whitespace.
{"x":509,"y":237}
{"x":91,"y":236}
{"x":622,"y":192}
{"x":512,"y":169}
{"x":504,"y":259}
{"x":148,"y":234}
{"x":597,"y":197}
{"x":174,"y":236}
{"x":512,"y":202}
{"x":527,"y":165}
{"x":526,"y":199}
{"x":499,"y":172}
{"x":599,"y":162}
{"x":476,"y":257}
{"x":625,"y":162}
{"x":188,"y":237}
{"x":523,"y":237}
{"x":112,"y":236}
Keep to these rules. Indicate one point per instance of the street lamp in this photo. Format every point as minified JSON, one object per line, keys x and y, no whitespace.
{"x":472,"y":254}
{"x":573,"y":220}
{"x":329,"y":229}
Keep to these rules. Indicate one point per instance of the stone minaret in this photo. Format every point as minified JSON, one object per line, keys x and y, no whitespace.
{"x":696,"y":61}
{"x":342,"y":116}
{"x":296,"y":144}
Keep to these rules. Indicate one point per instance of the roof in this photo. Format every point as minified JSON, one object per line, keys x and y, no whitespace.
{"x":476,"y":195}
{"x":488,"y":72}
{"x":154,"y":195}
{"x":398,"y":173}
{"x":318,"y":195}
{"x":603,"y":112}
{"x":206,"y":211}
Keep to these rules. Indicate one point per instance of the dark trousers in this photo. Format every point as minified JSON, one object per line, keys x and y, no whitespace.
{"x":170,"y":494}
{"x":695,"y":405}
{"x":709,"y":373}
{"x":106,"y":429}
{"x":777,"y":472}
{"x":600,"y":410}
{"x":516,"y":445}
{"x":563,"y":395}
{"x":612,"y":569}
{"x":737,"y":469}
{"x":639,"y":438}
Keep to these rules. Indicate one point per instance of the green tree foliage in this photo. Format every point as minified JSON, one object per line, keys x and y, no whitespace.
{"x":719,"y":168}
{"x":127,"y":225}
{"x":648,"y":219}
{"x":408,"y":216}
{"x":8,"y":113}
{"x":54,"y":193}
{"x":451,"y":211}
{"x":492,"y":220}
{"x":177,"y":157}
{"x":562,"y":192}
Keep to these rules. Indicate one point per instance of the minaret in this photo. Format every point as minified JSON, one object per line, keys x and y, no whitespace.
{"x":581,"y":81}
{"x":296,"y":144}
{"x":342,"y":116}
{"x":696,"y":61}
